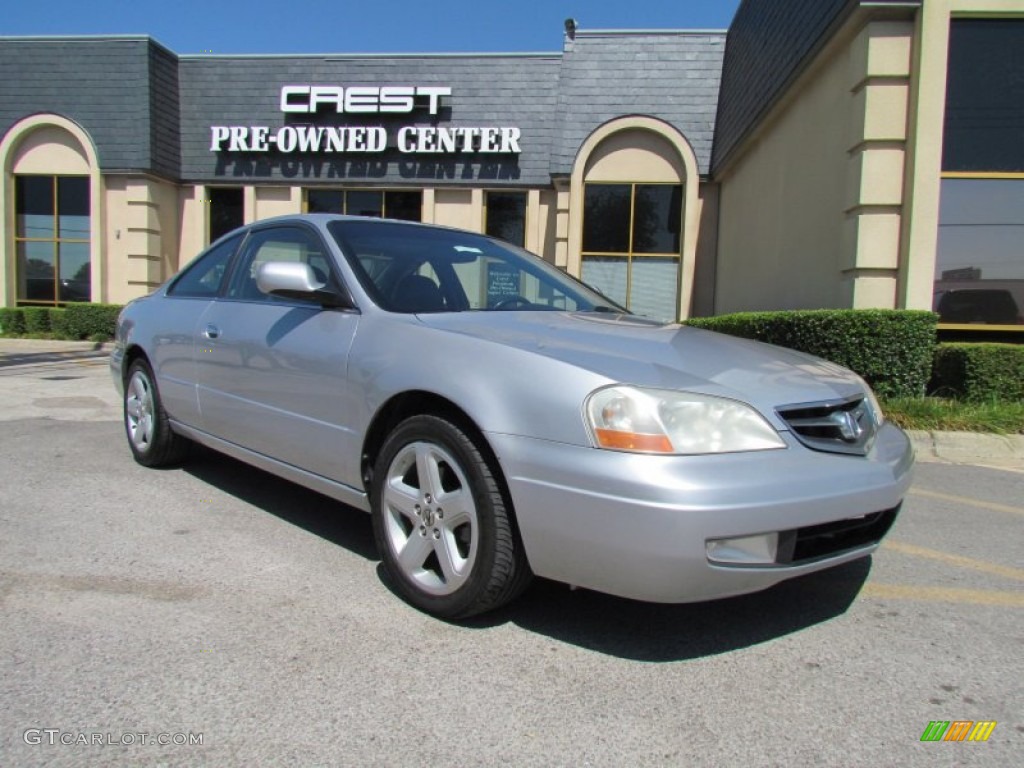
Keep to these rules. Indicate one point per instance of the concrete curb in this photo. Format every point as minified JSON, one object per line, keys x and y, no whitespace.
{"x":1005,"y":451}
{"x":18,"y":347}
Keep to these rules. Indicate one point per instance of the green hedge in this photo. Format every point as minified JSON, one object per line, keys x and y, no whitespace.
{"x":12,"y":320}
{"x":979,"y":372}
{"x":58,"y":323}
{"x":90,"y":321}
{"x":892,"y":349}
{"x":37,"y":319}
{"x":75,"y":321}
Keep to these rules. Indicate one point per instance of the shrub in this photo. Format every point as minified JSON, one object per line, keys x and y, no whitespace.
{"x":58,"y":323}
{"x":91,"y":321}
{"x":979,"y":372}
{"x":12,"y":320}
{"x":37,"y":320}
{"x":891,"y":348}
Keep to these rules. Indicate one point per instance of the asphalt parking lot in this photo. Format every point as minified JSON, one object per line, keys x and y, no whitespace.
{"x":213,"y":603}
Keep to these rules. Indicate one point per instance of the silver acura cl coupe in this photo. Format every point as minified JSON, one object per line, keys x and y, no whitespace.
{"x":499,"y":419}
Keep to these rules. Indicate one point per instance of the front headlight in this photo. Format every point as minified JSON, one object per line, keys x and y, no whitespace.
{"x":876,"y":409}
{"x":625,"y":418}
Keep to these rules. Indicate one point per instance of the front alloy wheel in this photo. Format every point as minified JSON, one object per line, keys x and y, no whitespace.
{"x":430,"y":518}
{"x":442,"y":523}
{"x":150,"y":437}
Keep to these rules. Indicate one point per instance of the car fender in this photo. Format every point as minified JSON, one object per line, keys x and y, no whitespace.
{"x":502,"y":389}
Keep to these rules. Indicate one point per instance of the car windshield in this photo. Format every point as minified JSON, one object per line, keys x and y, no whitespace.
{"x":413,"y":269}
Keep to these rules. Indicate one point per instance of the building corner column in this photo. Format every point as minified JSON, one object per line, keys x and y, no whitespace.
{"x":880,"y":88}
{"x":919,"y":242}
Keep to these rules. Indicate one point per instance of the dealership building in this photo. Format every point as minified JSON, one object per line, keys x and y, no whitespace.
{"x":818,"y":153}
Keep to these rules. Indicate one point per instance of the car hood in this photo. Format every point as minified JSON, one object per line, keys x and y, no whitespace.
{"x":628,"y":349}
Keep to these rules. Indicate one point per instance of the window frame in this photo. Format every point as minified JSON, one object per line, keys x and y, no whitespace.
{"x":518,"y":193}
{"x":344,"y":192}
{"x":630,"y":253}
{"x":974,"y":174}
{"x":976,"y":327}
{"x":210,"y":190}
{"x":55,"y":240}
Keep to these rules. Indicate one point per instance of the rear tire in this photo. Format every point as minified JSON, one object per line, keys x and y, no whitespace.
{"x":442,"y":523}
{"x":152,"y":441}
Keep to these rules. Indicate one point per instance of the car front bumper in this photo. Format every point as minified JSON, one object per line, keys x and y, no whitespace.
{"x":638,"y":526}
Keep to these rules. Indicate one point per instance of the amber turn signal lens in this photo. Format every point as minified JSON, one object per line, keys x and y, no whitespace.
{"x":632,"y":441}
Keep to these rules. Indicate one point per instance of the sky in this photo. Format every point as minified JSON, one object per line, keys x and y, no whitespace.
{"x":346,"y":26}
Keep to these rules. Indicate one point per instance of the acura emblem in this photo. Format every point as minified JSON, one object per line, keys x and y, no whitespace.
{"x":849,"y":428}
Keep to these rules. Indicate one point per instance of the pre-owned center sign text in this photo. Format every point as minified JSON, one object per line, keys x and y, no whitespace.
{"x":364,"y":100}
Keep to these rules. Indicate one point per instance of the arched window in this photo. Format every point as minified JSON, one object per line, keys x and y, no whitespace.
{"x":634,"y":193}
{"x":50,"y":184}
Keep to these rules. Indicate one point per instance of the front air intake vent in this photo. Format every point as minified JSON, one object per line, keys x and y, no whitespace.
{"x":815,"y":542}
{"x":839,"y":426}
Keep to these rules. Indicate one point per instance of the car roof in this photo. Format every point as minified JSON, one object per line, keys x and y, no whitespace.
{"x":325,"y":218}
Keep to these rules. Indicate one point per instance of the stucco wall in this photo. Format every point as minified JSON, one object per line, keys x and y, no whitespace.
{"x":542,"y":227}
{"x":143,"y":237}
{"x":272,"y":201}
{"x":462,"y":208}
{"x":811,"y":209}
{"x":707,"y":253}
{"x":782,"y":204}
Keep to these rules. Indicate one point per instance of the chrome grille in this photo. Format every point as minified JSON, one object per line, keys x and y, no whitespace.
{"x":837,"y":426}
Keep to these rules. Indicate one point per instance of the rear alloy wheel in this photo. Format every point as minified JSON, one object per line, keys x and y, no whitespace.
{"x":441,"y":521}
{"x":150,"y":436}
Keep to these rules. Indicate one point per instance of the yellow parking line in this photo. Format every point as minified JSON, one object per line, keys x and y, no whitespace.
{"x":968,"y":502}
{"x":958,"y":560}
{"x":944,"y":595}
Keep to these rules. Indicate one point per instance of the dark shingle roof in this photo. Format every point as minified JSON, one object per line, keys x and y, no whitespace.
{"x":105,"y":84}
{"x":150,"y":110}
{"x":673,"y":76}
{"x":769,"y":43}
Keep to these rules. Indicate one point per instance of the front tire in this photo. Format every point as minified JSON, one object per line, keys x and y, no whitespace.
{"x":150,"y":437}
{"x":442,"y":523}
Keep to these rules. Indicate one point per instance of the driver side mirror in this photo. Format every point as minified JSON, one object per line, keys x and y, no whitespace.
{"x":297,"y":280}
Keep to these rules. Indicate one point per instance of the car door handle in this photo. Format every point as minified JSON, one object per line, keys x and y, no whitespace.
{"x":211,"y":332}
